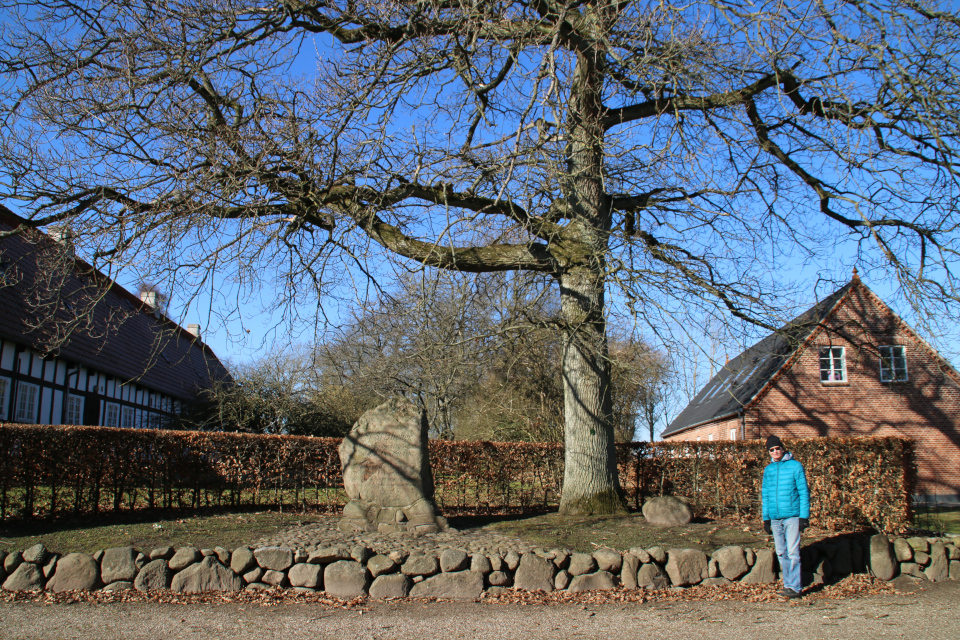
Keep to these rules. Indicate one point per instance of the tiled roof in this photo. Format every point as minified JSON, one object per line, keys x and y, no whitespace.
{"x":741,"y":379}
{"x":121,"y":336}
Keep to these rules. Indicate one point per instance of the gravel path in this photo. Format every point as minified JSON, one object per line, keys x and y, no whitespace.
{"x":930,"y":613}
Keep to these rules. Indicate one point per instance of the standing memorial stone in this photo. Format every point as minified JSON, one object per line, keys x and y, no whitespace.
{"x":386,"y":472}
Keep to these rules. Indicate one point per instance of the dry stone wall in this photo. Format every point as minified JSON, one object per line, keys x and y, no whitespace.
{"x":347,"y":571}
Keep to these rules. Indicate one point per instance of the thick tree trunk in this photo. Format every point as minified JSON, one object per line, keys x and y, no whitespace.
{"x":590,"y":480}
{"x":591,"y":483}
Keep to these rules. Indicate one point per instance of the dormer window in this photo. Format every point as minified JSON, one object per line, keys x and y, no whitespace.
{"x":833,"y":365}
{"x":893,"y":364}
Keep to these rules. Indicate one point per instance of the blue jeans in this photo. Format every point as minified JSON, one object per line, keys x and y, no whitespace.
{"x":786,"y":535}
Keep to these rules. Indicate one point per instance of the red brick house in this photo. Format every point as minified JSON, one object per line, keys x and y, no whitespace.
{"x":77,"y":348}
{"x":848,"y":366}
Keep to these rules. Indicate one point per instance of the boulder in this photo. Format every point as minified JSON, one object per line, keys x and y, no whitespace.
{"x":275,"y":578}
{"x":919,"y":544}
{"x":306,"y":575}
{"x":593,"y":582}
{"x":274,"y":558}
{"x":120,"y":585}
{"x":164,"y":553}
{"x":499,"y":579}
{"x":118,"y":563}
{"x":921,"y":558}
{"x":452,"y":560}
{"x":12,"y":561}
{"x":762,"y":571}
{"x":561,"y":558}
{"x":480,"y":563}
{"x":883,"y":564}
{"x":512,"y":560}
{"x":37,"y":554}
{"x":380,"y":564}
{"x":326,"y":555}
{"x":686,"y":566}
{"x":242,"y":560}
{"x":254,"y":575}
{"x":223,"y":555}
{"x":346,"y":579}
{"x":582,"y":563}
{"x":155,"y":575}
{"x":534,"y":573}
{"x":183,"y":558}
{"x":75,"y":571}
{"x":658,"y":555}
{"x":420,"y":565}
{"x":51,"y":565}
{"x":386,"y":471}
{"x":650,"y":576}
{"x":206,"y":575}
{"x":642,"y":555}
{"x":393,"y":585}
{"x":608,"y":560}
{"x":954,"y":570}
{"x":455,"y":585}
{"x":26,"y":577}
{"x":939,"y":568}
{"x":731,"y":562}
{"x":667,"y":511}
{"x":903,"y":550}
{"x":628,"y":573}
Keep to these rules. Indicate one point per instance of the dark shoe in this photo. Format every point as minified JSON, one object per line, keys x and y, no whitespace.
{"x":789,"y":593}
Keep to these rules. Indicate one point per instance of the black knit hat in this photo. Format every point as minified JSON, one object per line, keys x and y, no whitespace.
{"x":774,"y":441}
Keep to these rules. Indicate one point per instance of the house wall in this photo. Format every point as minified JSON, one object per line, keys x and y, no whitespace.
{"x":925,"y":407}
{"x":720,"y":430}
{"x":52,"y":382}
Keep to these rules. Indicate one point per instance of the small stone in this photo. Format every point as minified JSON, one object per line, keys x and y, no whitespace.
{"x":223,"y":555}
{"x":658,"y":555}
{"x":713,"y":569}
{"x":207,"y":552}
{"x":327,"y":555}
{"x":919,"y":544}
{"x":641,"y":554}
{"x":257,"y":586}
{"x":939,"y":567}
{"x":496,"y":562}
{"x":51,"y":565}
{"x":883,"y":564}
{"x":512,"y":559}
{"x":12,"y":561}
{"x":762,"y":571}
{"x":731,"y":561}
{"x":628,"y":573}
{"x":750,"y":556}
{"x":686,"y":566}
{"x":480,"y":563}
{"x":650,"y":576}
{"x":562,"y":581}
{"x":361,"y":553}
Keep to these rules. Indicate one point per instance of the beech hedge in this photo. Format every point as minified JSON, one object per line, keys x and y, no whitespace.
{"x":59,"y":472}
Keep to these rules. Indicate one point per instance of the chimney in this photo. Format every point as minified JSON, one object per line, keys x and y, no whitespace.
{"x":149,"y":298}
{"x":193,"y":329}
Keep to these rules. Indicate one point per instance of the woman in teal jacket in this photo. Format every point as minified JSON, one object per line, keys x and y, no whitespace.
{"x":786,"y":511}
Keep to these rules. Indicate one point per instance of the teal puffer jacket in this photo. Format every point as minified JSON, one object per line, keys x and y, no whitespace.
{"x":785,"y":493}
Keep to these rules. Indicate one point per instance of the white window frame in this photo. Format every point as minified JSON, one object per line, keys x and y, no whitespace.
{"x":111,"y":414}
{"x":832,"y":355}
{"x":709,"y":437}
{"x":74,"y":413}
{"x":5,"y":384}
{"x":889,"y":355}
{"x":128,"y":417}
{"x":733,"y":433}
{"x":28,"y":393}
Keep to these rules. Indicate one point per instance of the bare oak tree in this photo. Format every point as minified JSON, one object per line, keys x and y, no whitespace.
{"x":671,"y":153}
